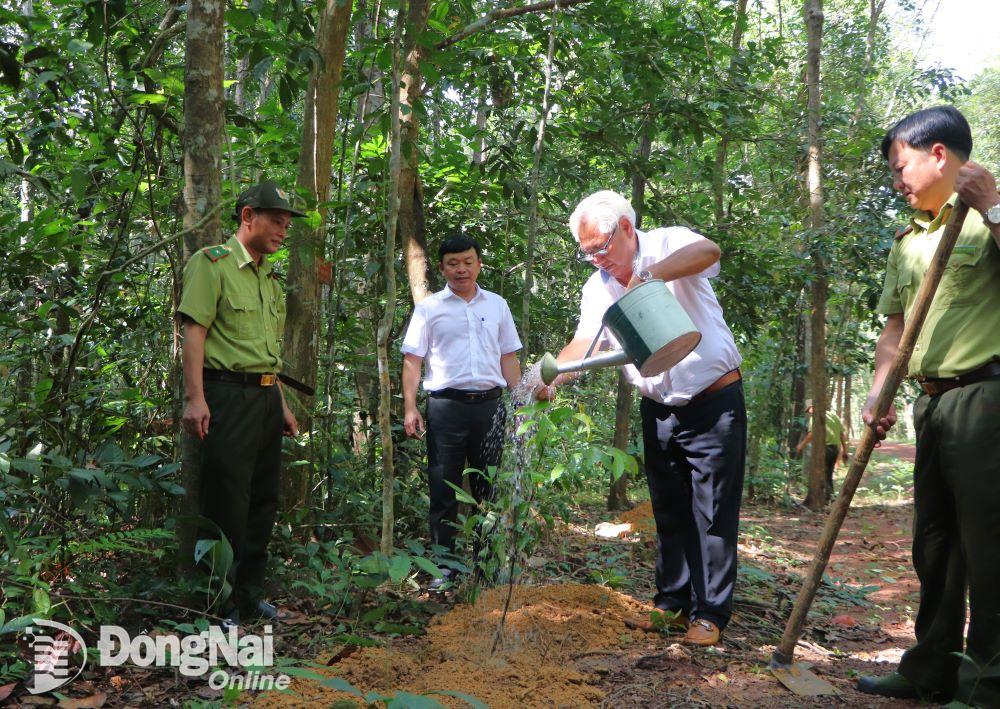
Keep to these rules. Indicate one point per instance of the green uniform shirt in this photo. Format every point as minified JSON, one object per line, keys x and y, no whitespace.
{"x":833,"y":428}
{"x":962,"y":329}
{"x":241,"y":304}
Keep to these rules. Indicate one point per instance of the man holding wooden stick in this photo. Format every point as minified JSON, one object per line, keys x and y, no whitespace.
{"x":956,"y":360}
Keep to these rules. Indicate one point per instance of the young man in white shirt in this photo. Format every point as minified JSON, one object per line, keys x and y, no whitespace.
{"x":466,"y":337}
{"x":693,"y":416}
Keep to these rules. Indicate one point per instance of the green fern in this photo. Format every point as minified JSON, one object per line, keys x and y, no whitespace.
{"x":126,"y":540}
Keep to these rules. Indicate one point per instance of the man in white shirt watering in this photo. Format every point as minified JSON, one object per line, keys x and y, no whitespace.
{"x":693,"y":415}
{"x":466,"y":337}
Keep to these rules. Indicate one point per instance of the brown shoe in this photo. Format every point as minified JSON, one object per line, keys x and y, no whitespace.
{"x":702,"y":632}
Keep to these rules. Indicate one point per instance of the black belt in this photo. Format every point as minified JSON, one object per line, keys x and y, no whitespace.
{"x":933,"y":387}
{"x":466,"y":395}
{"x":254,"y":379}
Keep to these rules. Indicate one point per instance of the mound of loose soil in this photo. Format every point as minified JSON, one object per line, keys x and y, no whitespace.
{"x":641,"y":518}
{"x":548,"y":631}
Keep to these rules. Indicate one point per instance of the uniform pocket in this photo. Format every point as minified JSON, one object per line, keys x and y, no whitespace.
{"x":245,"y":315}
{"x":958,"y":285}
{"x":278,"y":315}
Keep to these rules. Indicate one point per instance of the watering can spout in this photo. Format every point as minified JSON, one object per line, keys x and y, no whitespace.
{"x":550,"y":369}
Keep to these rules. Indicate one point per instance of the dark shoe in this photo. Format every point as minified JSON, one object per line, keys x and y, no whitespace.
{"x":891,"y":685}
{"x":268,"y":611}
{"x":445,"y":583}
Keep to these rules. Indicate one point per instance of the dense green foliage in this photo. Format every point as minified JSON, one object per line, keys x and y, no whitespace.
{"x":91,"y":166}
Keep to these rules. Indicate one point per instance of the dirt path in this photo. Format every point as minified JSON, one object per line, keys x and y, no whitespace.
{"x":569,"y":641}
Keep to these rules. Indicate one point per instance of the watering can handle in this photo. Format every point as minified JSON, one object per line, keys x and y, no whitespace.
{"x":597,"y":337}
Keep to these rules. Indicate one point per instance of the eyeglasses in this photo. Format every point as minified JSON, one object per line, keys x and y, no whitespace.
{"x":589,"y":256}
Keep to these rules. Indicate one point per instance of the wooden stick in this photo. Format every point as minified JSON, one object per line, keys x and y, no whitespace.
{"x":911,"y":328}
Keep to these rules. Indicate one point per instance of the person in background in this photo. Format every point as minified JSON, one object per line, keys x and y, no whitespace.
{"x":836,"y":443}
{"x":464,"y":338}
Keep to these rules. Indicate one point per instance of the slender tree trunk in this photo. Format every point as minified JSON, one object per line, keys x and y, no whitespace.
{"x":719,"y":175}
{"x":819,"y":493}
{"x":847,"y":406}
{"x":618,"y":492}
{"x":411,"y":218}
{"x":306,"y":244}
{"x":385,"y":325}
{"x":529,"y":265}
{"x":204,"y":127}
{"x":796,"y":429}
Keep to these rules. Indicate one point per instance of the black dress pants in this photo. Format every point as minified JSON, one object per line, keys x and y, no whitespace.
{"x":694,"y":469}
{"x":240,"y":466}
{"x":956,"y":544}
{"x":460,"y":432}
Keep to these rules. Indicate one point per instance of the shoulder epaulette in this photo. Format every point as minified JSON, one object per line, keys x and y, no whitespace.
{"x":216,"y":253}
{"x":904,"y":231}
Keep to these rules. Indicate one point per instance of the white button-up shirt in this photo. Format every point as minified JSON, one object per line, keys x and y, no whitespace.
{"x":461,"y":342}
{"x":714,"y":356}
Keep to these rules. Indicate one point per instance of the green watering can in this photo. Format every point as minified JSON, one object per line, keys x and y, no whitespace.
{"x":652,"y":327}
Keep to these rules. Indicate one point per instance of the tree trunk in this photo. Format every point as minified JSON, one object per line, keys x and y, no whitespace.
{"x":529,"y":261}
{"x":795,"y":428}
{"x":411,"y":218}
{"x":204,"y":127}
{"x":847,"y":405}
{"x":719,"y":172}
{"x":306,"y":244}
{"x":618,"y":493}
{"x":818,"y":494}
{"x":393,"y":201}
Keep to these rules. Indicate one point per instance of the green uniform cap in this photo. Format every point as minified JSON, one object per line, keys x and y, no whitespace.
{"x":266,"y":195}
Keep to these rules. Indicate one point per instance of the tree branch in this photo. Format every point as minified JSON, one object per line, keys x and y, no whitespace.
{"x":502,"y":14}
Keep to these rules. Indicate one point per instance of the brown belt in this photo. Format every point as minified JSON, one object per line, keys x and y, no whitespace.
{"x":720,"y":383}
{"x":934,"y":387}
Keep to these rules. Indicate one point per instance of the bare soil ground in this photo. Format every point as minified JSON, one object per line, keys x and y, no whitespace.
{"x":571,"y":639}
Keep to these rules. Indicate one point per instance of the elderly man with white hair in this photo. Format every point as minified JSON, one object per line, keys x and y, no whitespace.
{"x":693,"y":415}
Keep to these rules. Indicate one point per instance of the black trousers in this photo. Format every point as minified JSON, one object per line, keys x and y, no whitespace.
{"x":956,"y":543}
{"x":831,"y":453}
{"x":695,"y":475}
{"x":240,"y":466}
{"x":460,"y":432}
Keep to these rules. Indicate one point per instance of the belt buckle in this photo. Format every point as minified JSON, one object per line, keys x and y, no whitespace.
{"x":267,"y":380}
{"x":472,"y":396}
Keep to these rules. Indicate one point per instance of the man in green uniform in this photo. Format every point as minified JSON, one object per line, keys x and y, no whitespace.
{"x":836,"y":443}
{"x":234,"y":317}
{"x":956,"y":360}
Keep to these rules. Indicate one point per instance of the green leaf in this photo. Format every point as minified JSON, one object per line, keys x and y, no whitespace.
{"x":462,"y":495}
{"x":203,"y":547}
{"x":405,"y":700}
{"x":41,"y":601}
{"x":342,"y":685}
{"x":17,"y":624}
{"x":78,"y":46}
{"x":399,"y":567}
{"x":468,"y":699}
{"x":144,"y":99}
{"x":428,"y":566}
